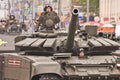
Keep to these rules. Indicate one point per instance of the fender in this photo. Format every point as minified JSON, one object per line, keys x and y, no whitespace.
{"x":46,"y":67}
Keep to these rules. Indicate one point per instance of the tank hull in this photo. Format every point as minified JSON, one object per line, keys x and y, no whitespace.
{"x":104,"y":68}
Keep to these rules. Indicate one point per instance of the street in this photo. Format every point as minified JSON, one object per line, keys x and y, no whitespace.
{"x":9,"y":47}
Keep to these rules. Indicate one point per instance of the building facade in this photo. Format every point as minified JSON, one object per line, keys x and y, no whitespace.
{"x":109,"y":11}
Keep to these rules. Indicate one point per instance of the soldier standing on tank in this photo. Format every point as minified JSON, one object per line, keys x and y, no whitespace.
{"x":48,"y":14}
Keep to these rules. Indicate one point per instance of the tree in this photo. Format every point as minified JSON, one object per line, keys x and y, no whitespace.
{"x":94,"y":5}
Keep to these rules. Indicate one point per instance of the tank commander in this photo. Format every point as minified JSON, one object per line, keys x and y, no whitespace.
{"x":48,"y":19}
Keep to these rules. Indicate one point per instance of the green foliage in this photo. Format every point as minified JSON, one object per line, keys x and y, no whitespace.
{"x":94,"y":6}
{"x":54,"y":0}
{"x":82,"y":0}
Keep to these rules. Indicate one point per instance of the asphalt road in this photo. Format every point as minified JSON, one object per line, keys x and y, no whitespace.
{"x":9,"y":47}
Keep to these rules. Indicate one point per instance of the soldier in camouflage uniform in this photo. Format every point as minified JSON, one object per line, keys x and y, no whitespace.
{"x":48,"y":19}
{"x":11,"y":23}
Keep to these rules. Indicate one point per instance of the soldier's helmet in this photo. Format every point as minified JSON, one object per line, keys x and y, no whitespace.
{"x":46,"y":7}
{"x":12,"y":17}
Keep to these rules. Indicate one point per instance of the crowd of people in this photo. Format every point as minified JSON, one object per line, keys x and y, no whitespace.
{"x":10,"y":25}
{"x":48,"y":19}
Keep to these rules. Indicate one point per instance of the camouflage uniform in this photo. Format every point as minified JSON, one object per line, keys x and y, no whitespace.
{"x":48,"y":19}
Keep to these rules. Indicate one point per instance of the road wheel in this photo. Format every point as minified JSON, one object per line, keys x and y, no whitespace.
{"x":49,"y":77}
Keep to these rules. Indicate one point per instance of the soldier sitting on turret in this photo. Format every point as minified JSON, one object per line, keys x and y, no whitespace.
{"x":48,"y":18}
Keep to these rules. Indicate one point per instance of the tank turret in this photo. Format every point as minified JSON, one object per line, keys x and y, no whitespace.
{"x":49,"y":41}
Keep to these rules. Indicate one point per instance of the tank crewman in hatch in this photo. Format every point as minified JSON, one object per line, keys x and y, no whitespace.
{"x":48,"y":18}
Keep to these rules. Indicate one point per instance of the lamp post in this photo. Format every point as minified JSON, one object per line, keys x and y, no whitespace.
{"x":9,"y":7}
{"x":88,"y":6}
{"x":5,"y":10}
{"x":59,"y":7}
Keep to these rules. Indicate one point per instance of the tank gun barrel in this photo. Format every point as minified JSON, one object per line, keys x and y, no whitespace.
{"x":72,"y":29}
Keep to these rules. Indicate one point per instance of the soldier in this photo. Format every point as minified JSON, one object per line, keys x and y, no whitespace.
{"x":81,"y":54}
{"x":48,"y":18}
{"x":12,"y":19}
{"x":11,"y":23}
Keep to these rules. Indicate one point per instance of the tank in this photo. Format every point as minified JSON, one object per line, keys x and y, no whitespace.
{"x":76,"y":55}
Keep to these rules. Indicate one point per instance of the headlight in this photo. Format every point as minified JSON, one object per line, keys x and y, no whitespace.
{"x":3,"y":26}
{"x":118,"y":62}
{"x":18,"y":25}
{"x":118,"y":65}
